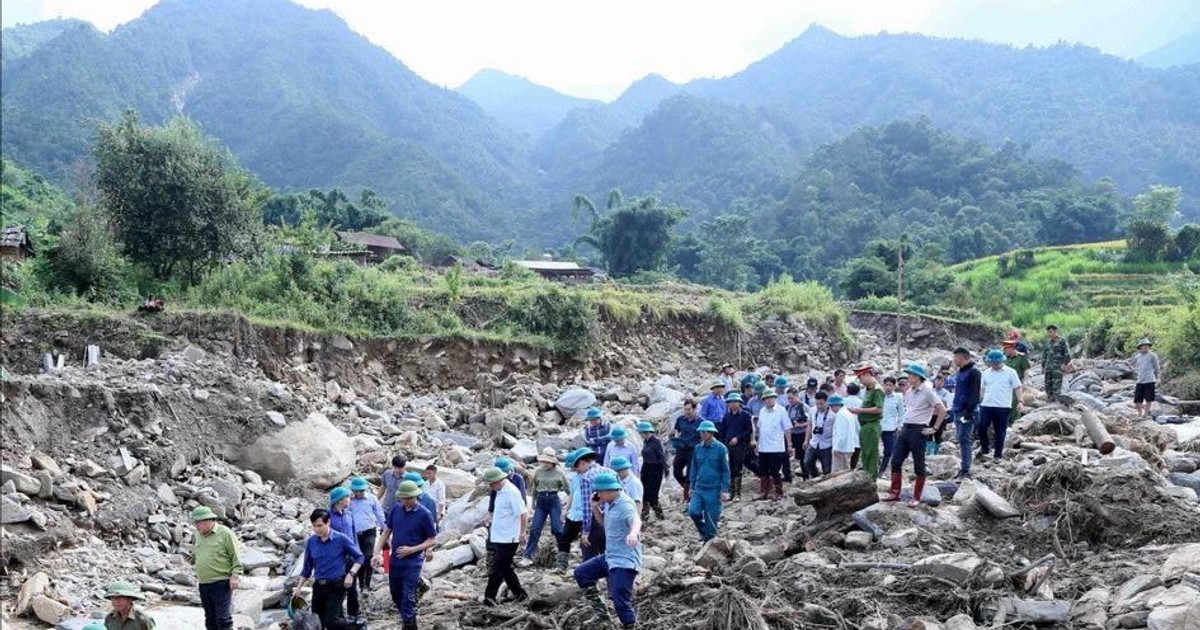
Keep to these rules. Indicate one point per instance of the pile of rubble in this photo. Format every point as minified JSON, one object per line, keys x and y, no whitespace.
{"x":101,"y":465}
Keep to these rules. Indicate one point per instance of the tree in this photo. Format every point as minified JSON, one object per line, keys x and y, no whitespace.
{"x":1186,"y":243}
{"x":178,"y":202}
{"x":631,"y":235}
{"x":85,"y":260}
{"x":867,"y":275}
{"x":1159,"y":204}
{"x":1147,"y":241}
{"x":331,"y":209}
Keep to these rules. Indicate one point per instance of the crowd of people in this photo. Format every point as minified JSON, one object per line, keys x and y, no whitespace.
{"x":860,"y":422}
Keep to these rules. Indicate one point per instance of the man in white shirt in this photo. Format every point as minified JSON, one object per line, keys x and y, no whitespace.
{"x":774,"y":426}
{"x":509,"y":522}
{"x":893,"y":413}
{"x":845,"y":435}
{"x":1000,"y":384}
{"x":437,"y":489}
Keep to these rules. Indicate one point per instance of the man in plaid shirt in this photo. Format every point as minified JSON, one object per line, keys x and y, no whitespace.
{"x":588,"y":469}
{"x":595,"y":434}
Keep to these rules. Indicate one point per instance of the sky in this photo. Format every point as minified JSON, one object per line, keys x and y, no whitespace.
{"x":596,"y":49}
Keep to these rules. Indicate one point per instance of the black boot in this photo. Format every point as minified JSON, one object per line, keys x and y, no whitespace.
{"x":658,"y":513}
{"x":592,"y":595}
{"x":645,"y":513}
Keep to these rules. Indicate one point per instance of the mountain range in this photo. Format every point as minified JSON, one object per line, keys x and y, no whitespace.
{"x":304,"y":101}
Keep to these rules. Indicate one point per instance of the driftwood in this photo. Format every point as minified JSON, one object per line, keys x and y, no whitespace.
{"x":835,"y":499}
{"x":1098,"y":433}
{"x":995,"y":504}
{"x":864,"y":523}
{"x":1012,"y":610}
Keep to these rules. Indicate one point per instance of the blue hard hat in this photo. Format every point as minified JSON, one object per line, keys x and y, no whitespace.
{"x":781,"y":381}
{"x":994,"y":356}
{"x":358,"y":484}
{"x":337,"y":494}
{"x":594,"y":412}
{"x":916,"y":370}
{"x":706,"y":427}
{"x":733,"y":397}
{"x":574,"y":456}
{"x":618,"y":433}
{"x":415,"y":477}
{"x":605,"y":481}
{"x":835,"y":400}
{"x":503,"y":463}
{"x":621,"y":463}
{"x":645,"y":427}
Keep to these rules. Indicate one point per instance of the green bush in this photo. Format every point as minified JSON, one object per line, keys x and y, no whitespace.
{"x":565,"y":317}
{"x":86,"y":262}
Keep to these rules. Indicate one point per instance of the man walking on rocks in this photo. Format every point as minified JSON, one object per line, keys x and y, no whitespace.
{"x":964,"y":410}
{"x":1056,"y":358}
{"x":390,"y":482}
{"x":1148,"y":371}
{"x":774,"y":449}
{"x":596,"y":433}
{"x":629,"y":482}
{"x":218,"y":564}
{"x":579,"y":513}
{"x":548,"y":481}
{"x":654,"y":468}
{"x":870,"y":414}
{"x":737,"y":430}
{"x":326,"y":556}
{"x":509,"y":524}
{"x":342,"y":521}
{"x":368,"y":518}
{"x":921,"y":408}
{"x":713,"y":408}
{"x":435,"y":488}
{"x":411,"y":532}
{"x":124,"y":615}
{"x":622,"y":559}
{"x":619,"y":447}
{"x":1000,"y":386}
{"x":684,"y":441}
{"x":726,"y":376}
{"x":710,"y":477}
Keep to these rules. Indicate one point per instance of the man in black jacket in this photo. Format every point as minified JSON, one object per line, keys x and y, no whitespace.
{"x":965,"y":409}
{"x":737,"y":431}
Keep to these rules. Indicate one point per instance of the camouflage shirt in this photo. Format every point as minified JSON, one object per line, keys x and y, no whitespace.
{"x":1055,"y":354}
{"x":138,"y":620}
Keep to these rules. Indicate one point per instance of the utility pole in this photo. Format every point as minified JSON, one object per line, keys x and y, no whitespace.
{"x":899,"y":297}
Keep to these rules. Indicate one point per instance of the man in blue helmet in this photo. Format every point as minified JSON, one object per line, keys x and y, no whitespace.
{"x":341,"y":519}
{"x":622,"y":558}
{"x":620,"y":447}
{"x":737,"y":431}
{"x":1001,"y":385}
{"x":596,"y":435}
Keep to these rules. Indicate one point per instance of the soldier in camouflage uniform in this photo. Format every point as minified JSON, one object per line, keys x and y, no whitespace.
{"x":1056,"y":356}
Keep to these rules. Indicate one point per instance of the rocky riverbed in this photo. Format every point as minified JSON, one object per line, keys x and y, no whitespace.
{"x":102,"y":464}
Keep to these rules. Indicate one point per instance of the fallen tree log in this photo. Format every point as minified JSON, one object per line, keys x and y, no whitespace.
{"x":995,"y":504}
{"x":1098,"y":432}
{"x":835,"y":499}
{"x":1011,"y":610}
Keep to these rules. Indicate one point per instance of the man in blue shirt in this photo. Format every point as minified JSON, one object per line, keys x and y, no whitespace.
{"x":709,"y":474}
{"x":736,"y":433}
{"x":622,"y":557}
{"x":712,"y":408}
{"x":596,"y":433}
{"x":342,"y":520}
{"x":410,"y":526}
{"x":683,"y":442}
{"x":326,"y":556}
{"x":368,"y":519}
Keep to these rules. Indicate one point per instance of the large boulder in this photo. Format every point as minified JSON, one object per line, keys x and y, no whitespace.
{"x":313,"y":452}
{"x":575,"y":401}
{"x":458,"y":482}
{"x":462,"y":517}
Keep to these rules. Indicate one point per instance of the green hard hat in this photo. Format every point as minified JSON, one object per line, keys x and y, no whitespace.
{"x":494,"y":474}
{"x":203,"y":513}
{"x":408,"y":490}
{"x":123,"y":589}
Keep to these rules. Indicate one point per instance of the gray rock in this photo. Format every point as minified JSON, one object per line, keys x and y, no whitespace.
{"x":858,"y":540}
{"x":563,"y":442}
{"x":12,"y":512}
{"x":313,"y":452}
{"x":901,"y":538}
{"x":193,"y":354}
{"x":254,"y":558}
{"x":228,"y":492}
{"x":25,"y":483}
{"x":956,"y":567}
{"x":44,"y":462}
{"x":575,"y":401}
{"x":524,"y":450}
{"x":201,"y":394}
{"x":460,"y":439}
{"x":1187,"y":480}
{"x":276,"y":418}
{"x":48,"y":610}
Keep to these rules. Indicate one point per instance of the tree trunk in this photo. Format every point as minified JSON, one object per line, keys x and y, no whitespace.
{"x":1012,"y":610}
{"x":1098,"y":433}
{"x":835,"y":499}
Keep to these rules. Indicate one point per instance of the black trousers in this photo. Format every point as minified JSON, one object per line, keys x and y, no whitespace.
{"x":652,"y":478}
{"x":737,"y":459}
{"x":503,"y":571}
{"x":217,"y":600}
{"x":771,"y":464}
{"x":572,"y":531}
{"x":352,"y":607}
{"x":680,"y":464}
{"x":366,"y":544}
{"x":910,"y":441}
{"x":327,"y":604}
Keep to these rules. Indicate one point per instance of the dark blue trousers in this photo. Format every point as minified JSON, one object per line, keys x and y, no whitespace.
{"x":403,"y":581}
{"x":547,"y":505}
{"x":620,"y":585}
{"x":217,"y":600}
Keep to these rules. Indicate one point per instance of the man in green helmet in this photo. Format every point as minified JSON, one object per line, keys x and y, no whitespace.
{"x":125,"y":615}
{"x":218,"y":563}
